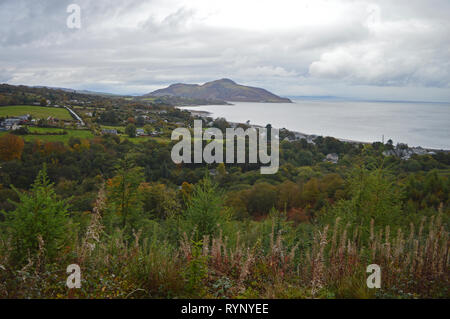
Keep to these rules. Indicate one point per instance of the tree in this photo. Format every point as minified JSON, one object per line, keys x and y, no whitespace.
{"x":109,"y":117}
{"x":130,"y":130}
{"x":262,"y":198}
{"x":373,"y":196}
{"x":311,"y":192}
{"x":390,"y":145}
{"x":123,"y":196}
{"x":159,"y":200}
{"x":43,"y":102}
{"x":305,"y":158}
{"x":205,"y":210}
{"x":221,"y":170}
{"x":221,"y":124}
{"x":186,"y":191}
{"x":148,"y":128}
{"x":11,"y":147}
{"x":40,"y":219}
{"x":289,"y":195}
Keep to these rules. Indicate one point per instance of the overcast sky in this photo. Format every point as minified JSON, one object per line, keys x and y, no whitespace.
{"x":352,"y":48}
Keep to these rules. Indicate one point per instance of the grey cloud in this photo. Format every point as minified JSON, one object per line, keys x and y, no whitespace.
{"x":126,"y":47}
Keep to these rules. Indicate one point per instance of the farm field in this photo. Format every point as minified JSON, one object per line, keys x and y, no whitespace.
{"x":35,"y":111}
{"x":112,"y":127}
{"x":139,"y":139}
{"x":82,"y":134}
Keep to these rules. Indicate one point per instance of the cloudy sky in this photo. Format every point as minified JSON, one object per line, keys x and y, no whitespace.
{"x":351,"y":48}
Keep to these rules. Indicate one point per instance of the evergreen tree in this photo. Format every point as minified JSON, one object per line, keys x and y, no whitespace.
{"x":124,"y":198}
{"x":205,"y":210}
{"x":38,"y":215}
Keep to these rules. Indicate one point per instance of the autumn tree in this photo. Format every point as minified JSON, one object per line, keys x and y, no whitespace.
{"x":11,"y":147}
{"x":186,"y":191}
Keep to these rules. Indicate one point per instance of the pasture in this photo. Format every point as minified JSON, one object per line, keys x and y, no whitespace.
{"x":41,"y":131}
{"x":39,"y":112}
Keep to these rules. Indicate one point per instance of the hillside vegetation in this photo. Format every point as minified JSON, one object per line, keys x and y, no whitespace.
{"x":141,"y":226}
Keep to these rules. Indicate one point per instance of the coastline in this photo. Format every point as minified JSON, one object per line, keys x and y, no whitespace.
{"x":308,"y":137}
{"x":207,"y":114}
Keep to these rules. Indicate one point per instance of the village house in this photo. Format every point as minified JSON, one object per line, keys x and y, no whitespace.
{"x":332,"y":158}
{"x":140,"y":132}
{"x":8,"y":124}
{"x":109,"y":131}
{"x":52,"y":120}
{"x":24,"y":117}
{"x":15,"y":127}
{"x":404,"y":152}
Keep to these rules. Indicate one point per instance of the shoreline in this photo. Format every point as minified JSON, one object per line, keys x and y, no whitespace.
{"x":305,"y":135}
{"x":206,"y":114}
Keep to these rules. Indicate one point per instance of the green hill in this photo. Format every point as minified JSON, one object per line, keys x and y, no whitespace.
{"x":224,"y":90}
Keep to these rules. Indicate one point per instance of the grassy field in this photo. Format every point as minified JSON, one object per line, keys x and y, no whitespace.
{"x":82,"y":134}
{"x":140,"y":139}
{"x":35,"y":111}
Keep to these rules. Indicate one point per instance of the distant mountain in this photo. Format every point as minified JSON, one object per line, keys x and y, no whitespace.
{"x":76,"y":91}
{"x":222,"y":90}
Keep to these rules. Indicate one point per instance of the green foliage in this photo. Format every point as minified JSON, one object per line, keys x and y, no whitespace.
{"x":196,"y":272}
{"x":123,"y":196}
{"x":262,"y":198}
{"x":148,"y":128}
{"x":165,"y":231}
{"x":159,"y":201}
{"x":130,"y":130}
{"x":205,"y":210}
{"x":373,"y":196}
{"x":40,"y":219}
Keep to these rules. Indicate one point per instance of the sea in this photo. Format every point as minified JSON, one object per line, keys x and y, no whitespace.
{"x":414,"y":123}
